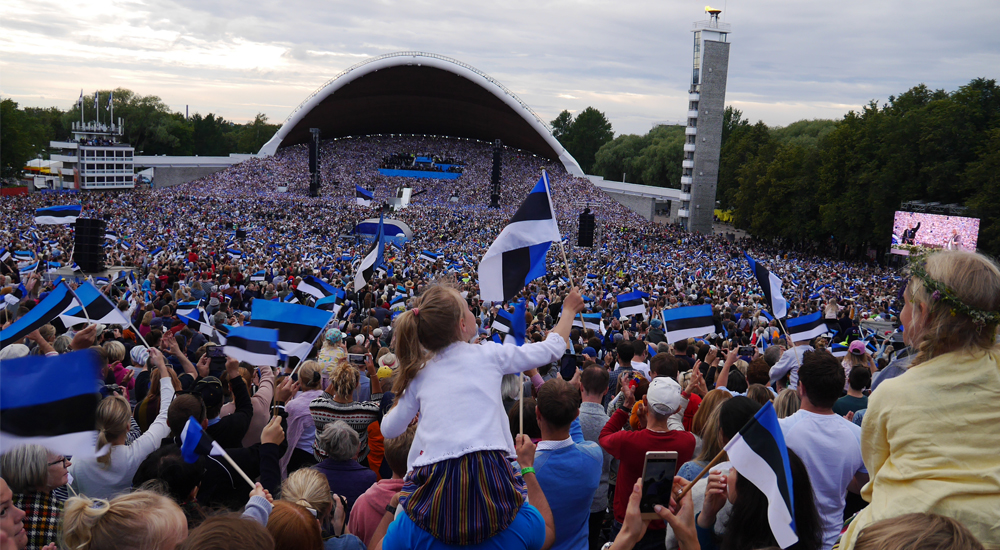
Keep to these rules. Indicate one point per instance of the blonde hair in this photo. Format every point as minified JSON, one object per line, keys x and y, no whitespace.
{"x":310,"y":374}
{"x":344,"y":380}
{"x":713,"y":400}
{"x":113,"y":420}
{"x":787,"y":402}
{"x":973,"y":279}
{"x":115,"y":351}
{"x":308,"y":488}
{"x":917,"y":532}
{"x":429,"y":327}
{"x":710,"y":444}
{"x":147,"y":318}
{"x":142,"y":519}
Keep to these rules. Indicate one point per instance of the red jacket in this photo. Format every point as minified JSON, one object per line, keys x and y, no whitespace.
{"x":630,"y":448}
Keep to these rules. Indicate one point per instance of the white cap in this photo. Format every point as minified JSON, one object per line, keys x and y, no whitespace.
{"x":664,"y":395}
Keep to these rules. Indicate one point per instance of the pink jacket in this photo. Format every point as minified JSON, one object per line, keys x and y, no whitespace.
{"x":368,"y":510}
{"x":120,"y":373}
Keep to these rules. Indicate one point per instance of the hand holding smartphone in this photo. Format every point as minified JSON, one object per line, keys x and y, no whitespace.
{"x":657,"y":481}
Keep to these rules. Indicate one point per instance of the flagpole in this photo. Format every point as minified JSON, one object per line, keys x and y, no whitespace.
{"x":571,"y":285}
{"x":520,"y":416}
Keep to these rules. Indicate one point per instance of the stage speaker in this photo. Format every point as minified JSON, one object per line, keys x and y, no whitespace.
{"x":314,"y":176}
{"x":495,"y":177}
{"x":585,"y":237}
{"x":241,"y":233}
{"x":88,"y":245}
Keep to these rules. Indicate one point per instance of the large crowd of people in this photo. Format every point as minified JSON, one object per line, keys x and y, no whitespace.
{"x":409,"y":426}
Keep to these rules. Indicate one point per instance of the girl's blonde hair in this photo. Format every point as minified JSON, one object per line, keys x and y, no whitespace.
{"x":308,"y":488}
{"x":710,"y":444}
{"x":113,"y":420}
{"x":115,"y":351}
{"x":310,"y":375}
{"x":142,"y":519}
{"x":972,"y":279}
{"x":424,"y":330}
{"x":787,"y":402}
{"x":917,"y":532}
{"x":712,"y":401}
{"x":344,"y":380}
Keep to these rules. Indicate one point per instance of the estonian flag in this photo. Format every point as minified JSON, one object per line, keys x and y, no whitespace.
{"x":839,"y":350}
{"x":373,"y":259}
{"x":197,"y":323}
{"x":315,"y":287}
{"x":363,"y":196}
{"x":298,"y":326}
{"x":591,"y":321}
{"x":196,"y":443}
{"x":759,"y":454}
{"x":4,"y":255}
{"x":631,"y":304}
{"x":98,"y":307}
{"x":429,"y":256}
{"x":257,"y":346}
{"x":801,"y":329}
{"x":517,"y":256}
{"x":156,"y":251}
{"x":258,"y":276}
{"x":58,"y":215}
{"x":48,"y":309}
{"x":332,"y":303}
{"x":15,"y":296}
{"x":187,"y":308}
{"x":30,"y":268}
{"x":111,"y":235}
{"x":687,"y":322}
{"x":234,"y":254}
{"x":518,"y":327}
{"x":59,"y":416}
{"x":24,"y":255}
{"x":771,"y":285}
{"x":504,"y":321}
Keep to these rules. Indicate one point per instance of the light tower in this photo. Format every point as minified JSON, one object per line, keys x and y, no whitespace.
{"x":703,"y":135}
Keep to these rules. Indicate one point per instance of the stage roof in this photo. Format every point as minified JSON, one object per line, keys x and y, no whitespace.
{"x":420,"y":93}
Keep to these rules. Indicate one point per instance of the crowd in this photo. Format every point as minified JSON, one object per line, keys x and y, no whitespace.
{"x":935,"y":231}
{"x":423,"y":162}
{"x":407,"y":426}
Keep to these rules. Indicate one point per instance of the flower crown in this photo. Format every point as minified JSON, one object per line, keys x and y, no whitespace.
{"x":941,"y":293}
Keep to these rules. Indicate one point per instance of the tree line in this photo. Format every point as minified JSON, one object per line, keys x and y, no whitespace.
{"x":149,"y":124}
{"x":832,"y":182}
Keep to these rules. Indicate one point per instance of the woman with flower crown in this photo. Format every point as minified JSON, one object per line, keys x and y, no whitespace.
{"x":930,"y":437}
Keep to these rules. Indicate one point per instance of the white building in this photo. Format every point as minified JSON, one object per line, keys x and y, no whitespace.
{"x":95,"y":159}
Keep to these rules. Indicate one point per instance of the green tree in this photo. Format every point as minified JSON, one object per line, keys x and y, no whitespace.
{"x":252,"y":136}
{"x":15,"y":146}
{"x":584,"y":136}
{"x":984,"y":174}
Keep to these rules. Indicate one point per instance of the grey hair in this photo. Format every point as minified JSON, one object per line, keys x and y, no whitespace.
{"x":772,"y":354}
{"x":510,"y":386}
{"x":339,"y":441}
{"x":25,"y":468}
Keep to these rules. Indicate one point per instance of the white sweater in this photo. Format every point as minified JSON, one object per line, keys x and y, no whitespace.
{"x":458,"y":396}
{"x":91,"y":478}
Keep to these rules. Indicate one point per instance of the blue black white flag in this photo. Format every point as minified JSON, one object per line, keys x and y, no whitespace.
{"x":111,"y":235}
{"x":195,"y":442}
{"x":58,"y":215}
{"x":198,"y":322}
{"x":99,"y":308}
{"x":801,"y":329}
{"x":57,"y":301}
{"x":15,"y":296}
{"x":316,"y":287}
{"x":373,"y":259}
{"x":30,"y":268}
{"x":187,"y":308}
{"x":4,"y":254}
{"x":503,"y":321}
{"x":258,"y":276}
{"x":257,"y":346}
{"x":759,"y":454}
{"x":298,"y":326}
{"x":363,"y":196}
{"x":69,"y":408}
{"x":631,"y":304}
{"x":591,"y":321}
{"x":517,"y":256}
{"x":687,"y":322}
{"x":771,"y":285}
{"x":234,"y":254}
{"x":24,"y":255}
{"x":428,"y":256}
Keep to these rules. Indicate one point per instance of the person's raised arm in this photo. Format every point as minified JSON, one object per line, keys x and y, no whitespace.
{"x":376,"y":384}
{"x":43,"y":345}
{"x":173,"y":348}
{"x":723,"y":378}
{"x":536,"y":497}
{"x":572,"y":305}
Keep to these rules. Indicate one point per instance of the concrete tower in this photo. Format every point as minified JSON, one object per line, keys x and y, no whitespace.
{"x":706,"y":104}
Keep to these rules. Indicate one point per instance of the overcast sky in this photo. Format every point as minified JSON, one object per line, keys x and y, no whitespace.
{"x":630,"y":59}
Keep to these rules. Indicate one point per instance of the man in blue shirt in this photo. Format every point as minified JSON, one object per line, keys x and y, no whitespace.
{"x":568,"y":466}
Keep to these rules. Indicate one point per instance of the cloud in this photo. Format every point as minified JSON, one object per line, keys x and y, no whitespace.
{"x":630,"y":59}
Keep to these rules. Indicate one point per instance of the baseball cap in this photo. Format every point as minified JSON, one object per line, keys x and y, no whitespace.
{"x":664,"y":395}
{"x":210,"y":389}
{"x":383,"y":373}
{"x":857,"y":347}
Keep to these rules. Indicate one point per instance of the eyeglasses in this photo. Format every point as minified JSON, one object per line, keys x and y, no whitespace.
{"x":64,"y":461}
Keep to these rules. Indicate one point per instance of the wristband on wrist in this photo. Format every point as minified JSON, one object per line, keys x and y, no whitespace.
{"x":390,"y":509}
{"x":527,"y":470}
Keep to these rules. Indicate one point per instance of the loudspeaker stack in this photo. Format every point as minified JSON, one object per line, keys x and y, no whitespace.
{"x":88,"y":246}
{"x":586,"y":234}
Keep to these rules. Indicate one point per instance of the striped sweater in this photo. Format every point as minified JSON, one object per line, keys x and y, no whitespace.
{"x":358,"y":415}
